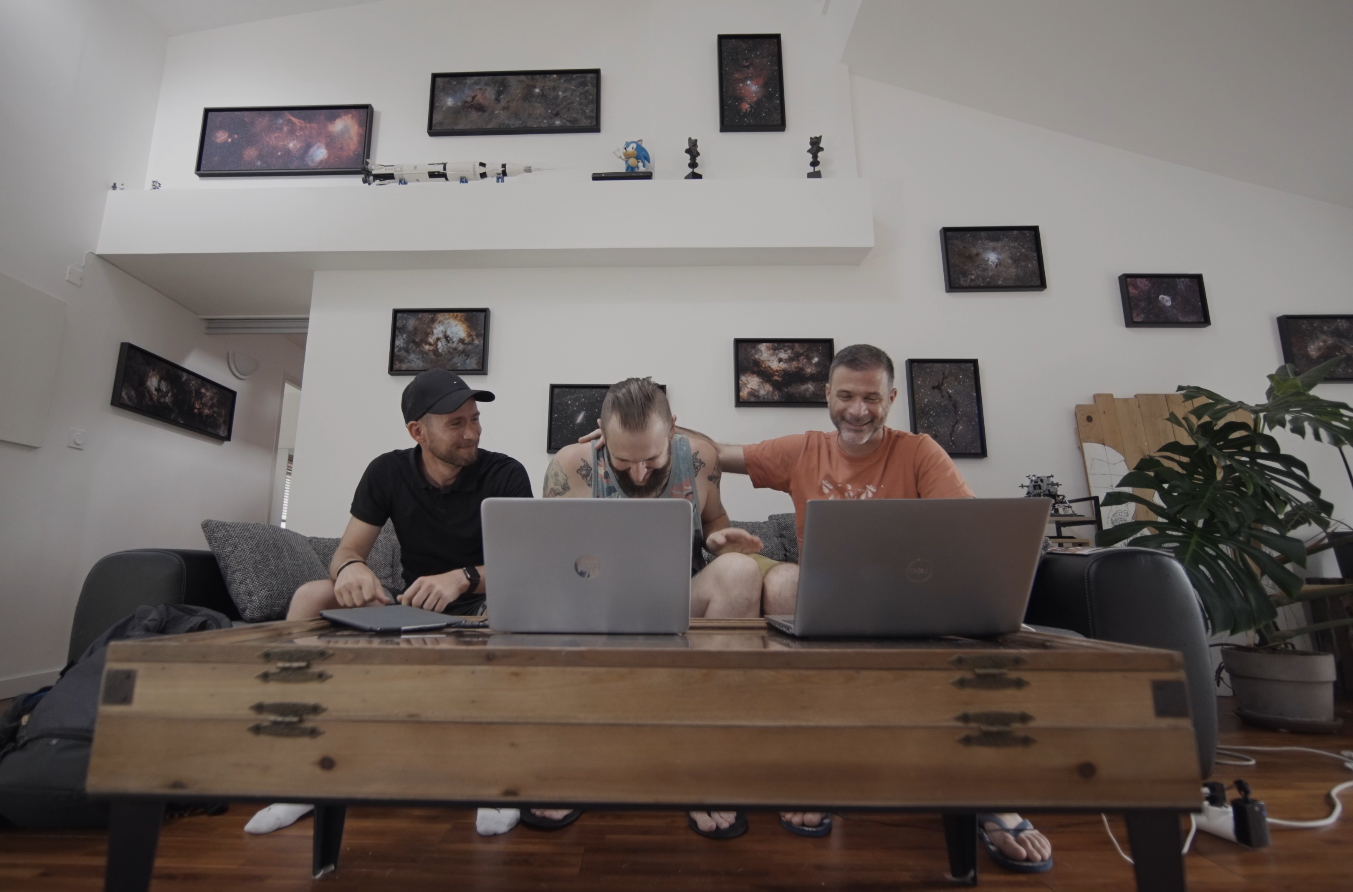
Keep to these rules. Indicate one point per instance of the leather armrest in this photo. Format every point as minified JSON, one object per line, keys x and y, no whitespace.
{"x":1133,"y":596}
{"x":125,"y":580}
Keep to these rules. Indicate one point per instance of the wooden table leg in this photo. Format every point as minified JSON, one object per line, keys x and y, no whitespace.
{"x":133,"y":835}
{"x":960,"y":837}
{"x":1156,"y":850}
{"x":328,"y":838}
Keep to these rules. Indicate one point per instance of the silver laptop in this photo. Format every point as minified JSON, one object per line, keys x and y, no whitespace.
{"x":588,"y":565}
{"x":916,"y":568}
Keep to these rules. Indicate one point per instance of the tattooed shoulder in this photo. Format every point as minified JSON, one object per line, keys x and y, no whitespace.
{"x":697,"y":461}
{"x":556,"y":481}
{"x":585,"y":472}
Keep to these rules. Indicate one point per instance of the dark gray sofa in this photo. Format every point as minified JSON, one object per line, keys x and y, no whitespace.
{"x":1128,"y":595}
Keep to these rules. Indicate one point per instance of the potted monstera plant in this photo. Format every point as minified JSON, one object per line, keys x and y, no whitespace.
{"x":1231,"y":506}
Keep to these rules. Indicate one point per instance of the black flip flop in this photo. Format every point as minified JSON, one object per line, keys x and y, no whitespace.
{"x":821,"y":829}
{"x":732,"y":831}
{"x":540,"y":823}
{"x":1002,"y":858}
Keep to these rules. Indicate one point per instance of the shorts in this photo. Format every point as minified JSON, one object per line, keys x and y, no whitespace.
{"x":763,"y":563}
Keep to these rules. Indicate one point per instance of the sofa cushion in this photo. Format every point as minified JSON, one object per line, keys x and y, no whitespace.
{"x":263,"y":565}
{"x":384,"y":559}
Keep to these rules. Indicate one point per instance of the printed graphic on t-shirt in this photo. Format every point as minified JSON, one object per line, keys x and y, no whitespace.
{"x":846,"y":491}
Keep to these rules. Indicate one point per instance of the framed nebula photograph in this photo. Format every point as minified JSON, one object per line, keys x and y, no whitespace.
{"x":751,"y":83}
{"x":476,"y":103}
{"x":993,"y":258}
{"x":574,"y":410}
{"x":455,"y":340}
{"x":278,"y":141}
{"x":944,"y":397}
{"x":1161,"y":300}
{"x":1310,"y":340}
{"x":153,"y":386}
{"x":781,"y":373}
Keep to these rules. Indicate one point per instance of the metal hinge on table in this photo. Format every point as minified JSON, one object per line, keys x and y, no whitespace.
{"x":989,"y":671}
{"x":292,"y":664}
{"x":286,"y":719}
{"x":994,"y":728}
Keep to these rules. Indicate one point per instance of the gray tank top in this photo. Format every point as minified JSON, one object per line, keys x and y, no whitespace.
{"x":681,"y":484}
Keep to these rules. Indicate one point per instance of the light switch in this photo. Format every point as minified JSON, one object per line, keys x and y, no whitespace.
{"x":77,"y":439}
{"x":75,"y":274}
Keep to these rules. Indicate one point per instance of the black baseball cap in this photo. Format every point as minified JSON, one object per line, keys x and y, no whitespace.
{"x":438,"y":392}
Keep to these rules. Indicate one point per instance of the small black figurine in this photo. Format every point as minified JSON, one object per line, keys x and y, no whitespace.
{"x":693,"y":150}
{"x":814,"y":149}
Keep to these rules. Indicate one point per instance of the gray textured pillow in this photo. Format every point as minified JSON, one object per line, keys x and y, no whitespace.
{"x":384,"y":559}
{"x":262,"y":566}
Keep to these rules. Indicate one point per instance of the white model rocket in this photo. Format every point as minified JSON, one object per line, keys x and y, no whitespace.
{"x":445,"y":171}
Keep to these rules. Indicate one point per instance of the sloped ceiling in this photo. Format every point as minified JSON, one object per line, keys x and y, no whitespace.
{"x":185,"y":16}
{"x":1256,"y":90}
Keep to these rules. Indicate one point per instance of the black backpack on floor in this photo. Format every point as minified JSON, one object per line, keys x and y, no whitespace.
{"x":45,"y":736}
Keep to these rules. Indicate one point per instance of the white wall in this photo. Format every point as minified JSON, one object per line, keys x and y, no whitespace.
{"x":659,"y":82}
{"x":79,"y":81}
{"x":1102,"y":211}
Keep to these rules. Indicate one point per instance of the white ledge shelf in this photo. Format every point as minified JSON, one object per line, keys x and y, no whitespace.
{"x":253,"y":251}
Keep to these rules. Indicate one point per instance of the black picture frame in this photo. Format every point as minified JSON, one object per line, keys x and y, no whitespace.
{"x":584,"y":79}
{"x":799,"y":384}
{"x":1335,"y":334}
{"x":738,"y":54}
{"x":924,"y":411}
{"x":400,"y":361}
{"x":574,"y":414}
{"x":963,"y":255}
{"x":181,"y":397}
{"x":1183,"y":295}
{"x":222,"y":125}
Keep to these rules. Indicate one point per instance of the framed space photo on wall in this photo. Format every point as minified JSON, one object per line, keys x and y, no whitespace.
{"x":455,"y":340}
{"x":574,"y":410}
{"x":295,"y":140}
{"x":781,"y":372}
{"x":751,"y":83}
{"x":993,"y":258}
{"x":1163,"y":300}
{"x":475,"y":103}
{"x":1310,"y":340}
{"x":944,"y":397}
{"x":153,"y":386}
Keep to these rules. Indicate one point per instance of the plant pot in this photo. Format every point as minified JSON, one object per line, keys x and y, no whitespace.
{"x":1290,"y":690}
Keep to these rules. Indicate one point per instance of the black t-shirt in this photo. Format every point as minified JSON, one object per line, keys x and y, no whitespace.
{"x":438,"y":529}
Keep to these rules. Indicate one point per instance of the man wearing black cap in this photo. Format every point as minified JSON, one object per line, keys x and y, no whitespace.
{"x":432,"y":492}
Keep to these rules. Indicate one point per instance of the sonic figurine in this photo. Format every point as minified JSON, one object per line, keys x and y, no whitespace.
{"x":634,"y":155}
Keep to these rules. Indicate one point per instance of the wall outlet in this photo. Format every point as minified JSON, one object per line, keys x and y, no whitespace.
{"x":77,"y":439}
{"x":75,"y":274}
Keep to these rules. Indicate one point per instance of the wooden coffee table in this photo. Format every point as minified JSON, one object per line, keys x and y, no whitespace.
{"x":731,"y":715}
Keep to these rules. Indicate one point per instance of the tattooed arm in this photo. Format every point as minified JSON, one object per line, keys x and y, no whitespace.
{"x":729,"y":457}
{"x":569,"y":475}
{"x":720,"y":538}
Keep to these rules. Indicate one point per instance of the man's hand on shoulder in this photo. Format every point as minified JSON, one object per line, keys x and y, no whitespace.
{"x":357,"y":586}
{"x":436,"y":592}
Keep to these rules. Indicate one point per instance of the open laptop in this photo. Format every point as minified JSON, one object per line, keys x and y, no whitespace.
{"x":916,"y":568}
{"x":615,"y":566}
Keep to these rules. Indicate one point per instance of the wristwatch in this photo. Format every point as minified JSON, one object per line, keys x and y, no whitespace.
{"x":472,"y":574}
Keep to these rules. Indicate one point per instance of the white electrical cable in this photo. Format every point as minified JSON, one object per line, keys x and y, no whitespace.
{"x":1343,"y":756}
{"x":1188,"y":840}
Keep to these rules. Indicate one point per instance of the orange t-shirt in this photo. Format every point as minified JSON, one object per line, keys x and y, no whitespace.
{"x":812,"y":466}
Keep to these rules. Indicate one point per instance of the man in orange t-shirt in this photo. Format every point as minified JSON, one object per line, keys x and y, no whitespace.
{"x":863,"y":459}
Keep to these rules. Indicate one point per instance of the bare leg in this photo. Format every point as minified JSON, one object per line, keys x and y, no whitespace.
{"x":780,"y":591}
{"x":311,"y":598}
{"x":729,"y":586}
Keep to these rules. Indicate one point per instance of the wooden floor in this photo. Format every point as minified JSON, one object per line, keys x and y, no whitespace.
{"x":426,"y":849}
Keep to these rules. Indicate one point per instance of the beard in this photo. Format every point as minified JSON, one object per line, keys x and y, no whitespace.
{"x":657,"y":479}
{"x":456,"y":456}
{"x":858,"y":437}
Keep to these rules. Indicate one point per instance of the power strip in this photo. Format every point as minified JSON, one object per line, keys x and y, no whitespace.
{"x":1243,"y":821}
